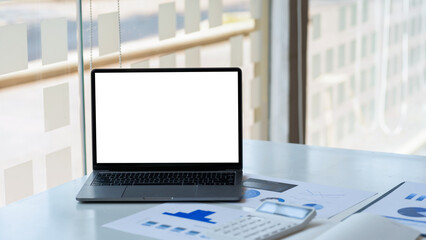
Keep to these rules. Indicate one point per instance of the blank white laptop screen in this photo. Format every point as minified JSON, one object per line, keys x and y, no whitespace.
{"x":167,"y":117}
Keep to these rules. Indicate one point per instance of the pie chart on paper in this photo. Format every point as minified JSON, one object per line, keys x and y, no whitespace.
{"x":251,"y":193}
{"x":416,"y":212}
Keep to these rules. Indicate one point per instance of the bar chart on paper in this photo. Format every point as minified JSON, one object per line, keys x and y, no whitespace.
{"x":197,"y":215}
{"x":176,"y":221}
{"x":405,"y":203}
{"x":415,"y":196}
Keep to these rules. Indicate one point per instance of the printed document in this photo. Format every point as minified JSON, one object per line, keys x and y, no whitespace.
{"x":327,"y":200}
{"x":176,"y":220}
{"x":406,"y":204}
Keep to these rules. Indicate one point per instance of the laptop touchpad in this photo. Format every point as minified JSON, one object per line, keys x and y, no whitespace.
{"x":148,"y":192}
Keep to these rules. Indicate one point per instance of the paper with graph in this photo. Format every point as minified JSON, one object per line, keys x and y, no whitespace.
{"x":176,"y":220}
{"x":405,"y":204}
{"x":327,"y":200}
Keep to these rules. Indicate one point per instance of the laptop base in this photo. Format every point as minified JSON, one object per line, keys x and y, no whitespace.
{"x":160,"y":193}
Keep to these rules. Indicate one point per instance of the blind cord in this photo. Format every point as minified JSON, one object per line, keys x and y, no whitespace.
{"x":299,"y":75}
{"x":119,"y":33}
{"x":91,"y":35}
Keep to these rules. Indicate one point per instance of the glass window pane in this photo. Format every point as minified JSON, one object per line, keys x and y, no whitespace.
{"x":43,"y":115}
{"x":376,"y":71}
{"x":160,"y":34}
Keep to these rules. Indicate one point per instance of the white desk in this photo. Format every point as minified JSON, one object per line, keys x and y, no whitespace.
{"x":55,"y":214}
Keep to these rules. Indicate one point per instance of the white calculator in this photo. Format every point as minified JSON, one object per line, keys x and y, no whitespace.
{"x":271,"y":220}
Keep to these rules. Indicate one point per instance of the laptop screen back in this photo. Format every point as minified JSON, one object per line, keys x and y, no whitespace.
{"x":166,"y":117}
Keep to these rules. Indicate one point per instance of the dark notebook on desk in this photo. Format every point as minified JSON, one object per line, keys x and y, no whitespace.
{"x":165,"y":135}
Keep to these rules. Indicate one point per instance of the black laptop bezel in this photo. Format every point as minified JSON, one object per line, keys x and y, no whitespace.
{"x":167,"y":166}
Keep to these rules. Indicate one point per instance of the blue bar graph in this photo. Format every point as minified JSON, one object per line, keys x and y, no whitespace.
{"x":197,"y":215}
{"x":421,"y":198}
{"x":413,"y":195}
{"x":409,"y":197}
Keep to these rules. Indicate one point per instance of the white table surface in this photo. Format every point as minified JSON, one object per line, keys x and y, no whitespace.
{"x":55,"y":214}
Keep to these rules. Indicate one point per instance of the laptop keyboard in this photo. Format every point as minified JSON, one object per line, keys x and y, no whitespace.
{"x":164,"y":178}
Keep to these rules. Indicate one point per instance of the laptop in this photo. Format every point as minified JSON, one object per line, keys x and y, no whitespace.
{"x":165,"y":135}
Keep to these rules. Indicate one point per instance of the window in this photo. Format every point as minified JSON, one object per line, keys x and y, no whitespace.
{"x":329,"y":99}
{"x":158,"y":34}
{"x":364,"y":46}
{"x":373,"y":76}
{"x":341,"y":93}
{"x":396,"y":34}
{"x":390,"y":68}
{"x":413,"y":27}
{"x":373,"y":114}
{"x":44,"y":142}
{"x":373,"y":42}
{"x":41,"y":136}
{"x":316,"y":26}
{"x":342,"y":18}
{"x":329,"y":60}
{"x":396,"y":64}
{"x":316,"y":105}
{"x":353,"y":51}
{"x":342,"y":55}
{"x":353,"y":14}
{"x":365,"y":10}
{"x":316,"y":66}
{"x":353,"y":85}
{"x":363,"y":86}
{"x":411,"y":57}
